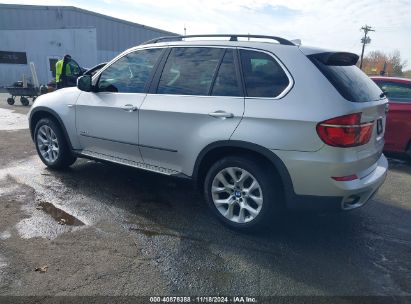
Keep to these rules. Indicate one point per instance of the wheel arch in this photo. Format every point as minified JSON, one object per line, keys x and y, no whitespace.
{"x":43,"y":112}
{"x":220,"y":149}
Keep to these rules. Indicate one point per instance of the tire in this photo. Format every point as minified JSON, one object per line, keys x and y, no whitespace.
{"x":24,"y":101}
{"x":10,"y":101}
{"x":265,"y":197}
{"x":51,"y":145}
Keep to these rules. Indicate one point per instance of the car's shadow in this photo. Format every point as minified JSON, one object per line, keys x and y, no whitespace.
{"x":399,"y":162}
{"x":340,"y":253}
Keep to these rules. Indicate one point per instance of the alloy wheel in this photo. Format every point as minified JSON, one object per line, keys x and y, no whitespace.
{"x":47,"y":143}
{"x":237,"y":195}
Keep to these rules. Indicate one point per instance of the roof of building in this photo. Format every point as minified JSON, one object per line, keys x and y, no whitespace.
{"x":80,"y":10}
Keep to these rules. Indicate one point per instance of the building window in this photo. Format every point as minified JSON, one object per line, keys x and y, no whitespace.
{"x":13,"y":57}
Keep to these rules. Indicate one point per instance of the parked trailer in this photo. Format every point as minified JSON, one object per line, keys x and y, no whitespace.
{"x":23,"y":93}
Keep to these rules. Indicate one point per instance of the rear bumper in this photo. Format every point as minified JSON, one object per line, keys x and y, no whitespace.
{"x":348,"y":194}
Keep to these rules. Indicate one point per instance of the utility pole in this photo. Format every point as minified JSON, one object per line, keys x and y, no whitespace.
{"x":365,"y":40}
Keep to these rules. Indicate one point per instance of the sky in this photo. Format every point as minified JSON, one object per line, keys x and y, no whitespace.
{"x":332,"y":24}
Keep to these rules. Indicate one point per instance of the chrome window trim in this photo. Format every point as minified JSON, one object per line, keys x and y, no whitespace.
{"x":199,"y":96}
{"x":283,"y":67}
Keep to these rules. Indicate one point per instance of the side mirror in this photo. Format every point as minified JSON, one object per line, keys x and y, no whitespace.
{"x":84,"y":83}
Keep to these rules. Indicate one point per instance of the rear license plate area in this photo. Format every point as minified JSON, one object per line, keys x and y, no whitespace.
{"x":380,"y":127}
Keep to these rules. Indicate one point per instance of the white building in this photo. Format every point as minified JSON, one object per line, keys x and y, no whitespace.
{"x":43,"y":34}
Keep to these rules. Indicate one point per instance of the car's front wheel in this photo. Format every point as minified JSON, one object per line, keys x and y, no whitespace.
{"x":242,"y":193}
{"x":51,"y":145}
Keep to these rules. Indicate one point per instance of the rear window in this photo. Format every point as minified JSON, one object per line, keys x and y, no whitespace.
{"x":349,"y":81}
{"x":226,"y":82}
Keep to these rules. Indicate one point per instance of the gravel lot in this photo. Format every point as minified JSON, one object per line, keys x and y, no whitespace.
{"x":99,"y":229}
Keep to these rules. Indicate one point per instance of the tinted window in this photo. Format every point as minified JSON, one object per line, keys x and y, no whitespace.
{"x":130,"y":73}
{"x":189,"y":71}
{"x":396,"y":91}
{"x":263,"y":76}
{"x":226,"y":82}
{"x":349,"y":81}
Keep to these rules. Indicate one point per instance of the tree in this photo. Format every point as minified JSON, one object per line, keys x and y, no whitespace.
{"x":380,"y":63}
{"x":407,"y":74}
{"x":397,"y":63}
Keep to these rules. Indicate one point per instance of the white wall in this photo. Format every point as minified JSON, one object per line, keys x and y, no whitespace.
{"x":39,"y":45}
{"x":106,"y":56}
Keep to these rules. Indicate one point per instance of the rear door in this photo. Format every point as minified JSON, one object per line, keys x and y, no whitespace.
{"x":197,"y":100}
{"x":107,"y":119}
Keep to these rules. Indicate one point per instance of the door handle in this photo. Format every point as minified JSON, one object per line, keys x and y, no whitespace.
{"x":129,"y":108}
{"x":221,"y":114}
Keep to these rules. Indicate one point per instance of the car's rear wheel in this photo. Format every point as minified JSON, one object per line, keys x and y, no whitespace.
{"x":51,"y":145}
{"x":242,"y":194}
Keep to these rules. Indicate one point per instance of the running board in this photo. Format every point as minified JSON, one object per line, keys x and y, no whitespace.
{"x":126,"y":162}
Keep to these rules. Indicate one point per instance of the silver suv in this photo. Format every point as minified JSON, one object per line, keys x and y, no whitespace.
{"x":260,"y":125}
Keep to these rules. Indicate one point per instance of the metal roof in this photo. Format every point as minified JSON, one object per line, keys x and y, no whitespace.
{"x":113,"y":34}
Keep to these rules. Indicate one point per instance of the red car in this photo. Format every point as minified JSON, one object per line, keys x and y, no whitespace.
{"x":398,"y":128}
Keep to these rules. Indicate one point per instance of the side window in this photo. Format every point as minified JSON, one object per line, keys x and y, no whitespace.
{"x":189,"y":71}
{"x":226,"y":82}
{"x":263,"y":76}
{"x":130,"y":73}
{"x":400,"y":92}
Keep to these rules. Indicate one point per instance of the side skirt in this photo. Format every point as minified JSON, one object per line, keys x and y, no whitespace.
{"x":129,"y":163}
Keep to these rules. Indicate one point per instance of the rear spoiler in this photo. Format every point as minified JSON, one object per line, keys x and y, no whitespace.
{"x":336,"y":58}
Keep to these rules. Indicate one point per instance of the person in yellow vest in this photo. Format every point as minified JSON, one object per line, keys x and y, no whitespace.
{"x":63,"y":72}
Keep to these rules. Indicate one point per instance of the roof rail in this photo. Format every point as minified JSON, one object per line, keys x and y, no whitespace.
{"x":233,"y":37}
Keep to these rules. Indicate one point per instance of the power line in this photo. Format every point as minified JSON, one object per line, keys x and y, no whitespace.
{"x":365,"y":40}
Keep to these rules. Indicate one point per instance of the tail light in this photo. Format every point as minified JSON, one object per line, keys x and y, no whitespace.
{"x":345,"y":131}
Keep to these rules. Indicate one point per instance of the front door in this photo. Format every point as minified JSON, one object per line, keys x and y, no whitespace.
{"x":107,"y":119}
